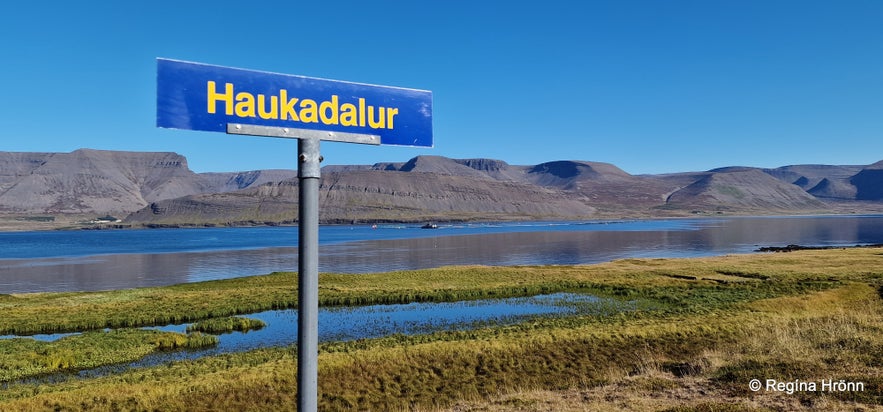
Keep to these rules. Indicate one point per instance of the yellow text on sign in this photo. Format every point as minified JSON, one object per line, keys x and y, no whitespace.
{"x":283,"y":107}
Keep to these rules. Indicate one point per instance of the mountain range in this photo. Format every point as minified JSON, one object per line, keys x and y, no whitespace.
{"x":158,"y":189}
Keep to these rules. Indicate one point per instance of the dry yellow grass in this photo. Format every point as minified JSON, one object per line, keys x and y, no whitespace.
{"x":823,"y":328}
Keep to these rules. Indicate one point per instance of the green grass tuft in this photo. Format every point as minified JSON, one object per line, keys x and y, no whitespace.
{"x":226,"y":325}
{"x":25,"y":357}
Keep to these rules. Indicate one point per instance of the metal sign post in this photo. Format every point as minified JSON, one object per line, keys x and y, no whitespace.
{"x":197,"y":96}
{"x":308,"y":158}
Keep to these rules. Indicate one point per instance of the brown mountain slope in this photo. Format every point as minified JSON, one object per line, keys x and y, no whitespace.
{"x":869,"y":182}
{"x":375,"y":195}
{"x":832,"y":188}
{"x":567,"y":174}
{"x":607,"y":187}
{"x":228,"y":182}
{"x":102,"y":182}
{"x":160,"y":189}
{"x":743,"y":189}
{"x":86,"y":181}
{"x":809,"y":176}
{"x":438,"y":188}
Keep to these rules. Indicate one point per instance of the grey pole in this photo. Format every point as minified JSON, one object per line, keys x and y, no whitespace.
{"x":308,"y":172}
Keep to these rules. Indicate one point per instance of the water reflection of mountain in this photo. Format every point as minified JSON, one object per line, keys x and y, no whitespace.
{"x":137,"y":270}
{"x":807,"y":231}
{"x":502,"y":249}
{"x":570,"y":244}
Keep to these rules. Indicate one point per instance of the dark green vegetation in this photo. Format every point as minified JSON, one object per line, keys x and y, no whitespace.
{"x":69,"y":312}
{"x":226,"y":325}
{"x":702,"y":329}
{"x":25,"y":357}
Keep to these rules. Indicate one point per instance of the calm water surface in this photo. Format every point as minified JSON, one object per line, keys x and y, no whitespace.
{"x":350,"y":323}
{"x":118,"y":259}
{"x":361,"y":322}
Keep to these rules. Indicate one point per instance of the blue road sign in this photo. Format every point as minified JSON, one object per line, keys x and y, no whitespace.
{"x":197,"y":96}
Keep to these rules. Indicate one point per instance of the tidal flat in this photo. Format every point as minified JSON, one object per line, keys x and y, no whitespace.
{"x":700,"y":331}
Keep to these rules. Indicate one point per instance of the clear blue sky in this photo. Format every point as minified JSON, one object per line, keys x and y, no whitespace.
{"x":652,"y":86}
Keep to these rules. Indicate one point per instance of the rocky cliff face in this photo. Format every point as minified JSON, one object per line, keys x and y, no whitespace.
{"x":375,"y":196}
{"x":87,"y":181}
{"x":869,"y":182}
{"x":106,"y":182}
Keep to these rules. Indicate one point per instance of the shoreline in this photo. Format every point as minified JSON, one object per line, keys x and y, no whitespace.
{"x":20,"y":223}
{"x":795,"y":248}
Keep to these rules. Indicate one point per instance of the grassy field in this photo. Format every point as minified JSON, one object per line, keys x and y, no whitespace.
{"x":704,"y":328}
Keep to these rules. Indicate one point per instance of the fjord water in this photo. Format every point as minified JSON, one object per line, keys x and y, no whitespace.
{"x":118,"y":259}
